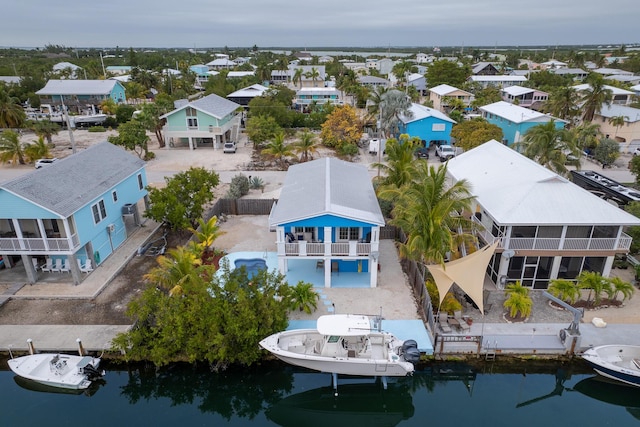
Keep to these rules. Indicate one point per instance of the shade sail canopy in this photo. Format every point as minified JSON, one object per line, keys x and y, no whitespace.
{"x":468,"y":273}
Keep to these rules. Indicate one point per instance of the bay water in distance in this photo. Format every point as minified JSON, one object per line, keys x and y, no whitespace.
{"x":444,"y":394}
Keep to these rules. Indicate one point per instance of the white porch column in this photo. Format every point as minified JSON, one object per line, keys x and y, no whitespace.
{"x":327,"y":272}
{"x":283,"y":266}
{"x":555,"y":267}
{"x":373,"y":269}
{"x":32,"y":275}
{"x":191,"y":147}
{"x":608,"y":265}
{"x":327,"y":241}
{"x":280,"y":241}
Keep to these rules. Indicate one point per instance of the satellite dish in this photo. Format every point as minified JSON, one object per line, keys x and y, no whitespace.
{"x":508,"y":253}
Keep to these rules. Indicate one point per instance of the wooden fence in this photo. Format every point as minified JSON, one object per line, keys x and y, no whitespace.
{"x":241,"y":207}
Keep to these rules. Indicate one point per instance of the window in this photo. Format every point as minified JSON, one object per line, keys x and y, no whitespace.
{"x":114,"y":195}
{"x":438,"y":127}
{"x":140,"y":184}
{"x":348,"y":233}
{"x":99,"y":211}
{"x":192,"y":123}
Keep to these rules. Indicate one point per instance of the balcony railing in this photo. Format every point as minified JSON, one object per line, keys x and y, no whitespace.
{"x":302,"y":248}
{"x":568,"y":244}
{"x":32,"y":245}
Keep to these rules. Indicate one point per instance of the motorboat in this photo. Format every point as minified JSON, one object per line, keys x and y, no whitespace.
{"x":89,"y":119}
{"x":345,"y":344}
{"x":617,"y":362}
{"x":58,"y":370}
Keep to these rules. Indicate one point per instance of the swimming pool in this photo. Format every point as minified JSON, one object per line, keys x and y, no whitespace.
{"x":253,"y":265}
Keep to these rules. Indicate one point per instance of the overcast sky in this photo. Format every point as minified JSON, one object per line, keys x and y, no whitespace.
{"x":287,"y":23}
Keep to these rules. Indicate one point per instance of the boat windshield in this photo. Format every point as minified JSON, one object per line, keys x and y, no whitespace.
{"x":333,"y":339}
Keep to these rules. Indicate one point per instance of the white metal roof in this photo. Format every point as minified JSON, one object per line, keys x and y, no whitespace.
{"x":516,"y":190}
{"x":614,"y":90}
{"x":421,"y":112}
{"x":444,"y":90}
{"x":502,"y":78}
{"x":327,"y":186}
{"x":516,"y":114}
{"x":78,"y":87}
{"x":249,"y":91}
{"x":630,"y":114}
{"x":517,"y":90}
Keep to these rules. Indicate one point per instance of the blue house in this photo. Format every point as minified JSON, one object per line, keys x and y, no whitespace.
{"x":328,"y":216}
{"x":207,"y":122}
{"x":75,"y":209}
{"x":427,"y":124}
{"x":514,"y":120}
{"x":79,"y":95}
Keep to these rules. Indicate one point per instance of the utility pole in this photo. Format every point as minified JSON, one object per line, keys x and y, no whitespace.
{"x":66,"y":116}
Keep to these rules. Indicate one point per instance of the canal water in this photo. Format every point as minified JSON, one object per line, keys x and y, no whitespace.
{"x":277,"y":395}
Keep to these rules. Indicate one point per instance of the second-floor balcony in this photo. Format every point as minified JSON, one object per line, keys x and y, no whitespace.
{"x":345,"y":249}
{"x":621,"y":244}
{"x":25,"y":245}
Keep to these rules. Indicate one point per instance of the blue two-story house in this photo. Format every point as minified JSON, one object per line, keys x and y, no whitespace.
{"x":515,"y":121}
{"x":328,"y":215}
{"x":427,"y":124}
{"x":75,"y":209}
{"x":207,"y":122}
{"x":81,"y":95}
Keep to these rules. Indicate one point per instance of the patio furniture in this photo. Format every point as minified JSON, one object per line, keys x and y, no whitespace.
{"x":66,"y":268}
{"x":48,"y":266}
{"x":462,"y":323}
{"x":86,"y":267}
{"x":57,"y":266}
{"x":36,"y":266}
{"x":443,"y":320}
{"x":320,"y":264}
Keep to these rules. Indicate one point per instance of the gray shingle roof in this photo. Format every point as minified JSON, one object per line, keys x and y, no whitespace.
{"x":75,"y":181}
{"x":327,"y":186}
{"x":213,"y":105}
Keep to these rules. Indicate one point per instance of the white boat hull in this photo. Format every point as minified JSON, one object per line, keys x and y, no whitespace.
{"x":370,"y":354}
{"x":617,"y":362}
{"x":55,"y":370}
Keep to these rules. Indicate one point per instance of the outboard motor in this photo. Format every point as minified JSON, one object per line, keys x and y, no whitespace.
{"x":410,"y":351}
{"x":92,"y":373}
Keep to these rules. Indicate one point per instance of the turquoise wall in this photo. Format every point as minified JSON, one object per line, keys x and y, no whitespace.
{"x":423,"y":129}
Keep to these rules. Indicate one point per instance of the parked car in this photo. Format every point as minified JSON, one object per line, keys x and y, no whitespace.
{"x":376,"y":144}
{"x":636,"y":152}
{"x":44,"y":162}
{"x":229,"y":147}
{"x":422,"y":153}
{"x":445,"y":152}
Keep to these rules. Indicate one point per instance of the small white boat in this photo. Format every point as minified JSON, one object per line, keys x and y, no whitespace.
{"x":617,"y":362}
{"x":89,"y":119}
{"x":345,"y":344}
{"x":58,"y":370}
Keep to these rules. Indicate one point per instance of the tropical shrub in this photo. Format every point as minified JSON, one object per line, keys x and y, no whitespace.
{"x":518,"y":301}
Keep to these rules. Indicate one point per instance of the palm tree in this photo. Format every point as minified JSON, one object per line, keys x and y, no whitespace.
{"x":617,"y":121}
{"x":430,"y":211}
{"x":12,"y":114}
{"x":593,"y":98}
{"x":313,"y":74}
{"x":587,"y":136}
{"x":399,"y":169}
{"x":206,"y":234}
{"x":566,"y":290}
{"x":38,"y":150}
{"x":374,"y":101}
{"x":563,"y":103}
{"x":595,"y":283}
{"x":44,"y":128}
{"x":297,"y":77}
{"x":394,"y":104}
{"x":11,"y":149}
{"x":278,"y":149}
{"x":109,"y":106}
{"x":179,"y":271}
{"x":619,"y":286}
{"x":550,"y":147}
{"x":518,"y":301}
{"x":306,"y":146}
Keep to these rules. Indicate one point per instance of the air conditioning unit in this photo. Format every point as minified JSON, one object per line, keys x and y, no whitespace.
{"x":111,"y":228}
